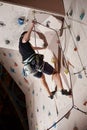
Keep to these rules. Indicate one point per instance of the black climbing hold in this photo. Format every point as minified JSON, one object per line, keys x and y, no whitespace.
{"x":7,"y":41}
{"x":78,"y":38}
{"x":71,"y":12}
{"x":82,"y":15}
{"x":2,"y":23}
{"x":48,"y":24}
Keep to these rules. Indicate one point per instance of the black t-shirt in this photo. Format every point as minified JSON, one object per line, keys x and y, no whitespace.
{"x":25,"y":49}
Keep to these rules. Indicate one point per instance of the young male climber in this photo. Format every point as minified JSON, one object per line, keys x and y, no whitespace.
{"x":34,"y":63}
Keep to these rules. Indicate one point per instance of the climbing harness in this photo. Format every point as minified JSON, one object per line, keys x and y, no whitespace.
{"x":33,"y":63}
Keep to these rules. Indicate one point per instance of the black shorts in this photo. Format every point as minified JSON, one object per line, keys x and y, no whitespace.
{"x":47,"y":69}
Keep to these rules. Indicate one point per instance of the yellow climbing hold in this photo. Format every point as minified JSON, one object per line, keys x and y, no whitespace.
{"x":66,"y":71}
{"x":53,"y":60}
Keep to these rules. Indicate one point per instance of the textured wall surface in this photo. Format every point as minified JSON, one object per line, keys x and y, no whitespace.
{"x":42,"y":111}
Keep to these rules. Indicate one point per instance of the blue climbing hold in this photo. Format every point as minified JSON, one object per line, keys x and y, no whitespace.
{"x":82,"y":15}
{"x":10,"y":55}
{"x":21,"y":21}
{"x":80,"y":76}
{"x":54,"y":125}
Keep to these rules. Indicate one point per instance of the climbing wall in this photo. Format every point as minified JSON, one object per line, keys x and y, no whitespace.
{"x":43,"y":113}
{"x":74,"y":45}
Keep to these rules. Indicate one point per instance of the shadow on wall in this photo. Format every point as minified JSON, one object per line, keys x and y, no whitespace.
{"x":12,"y":104}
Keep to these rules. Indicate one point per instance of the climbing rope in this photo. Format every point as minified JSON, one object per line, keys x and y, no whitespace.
{"x":34,"y":19}
{"x":66,"y":64}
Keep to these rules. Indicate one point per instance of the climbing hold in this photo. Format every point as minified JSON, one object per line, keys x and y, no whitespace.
{"x":75,"y":128}
{"x":1,"y":4}
{"x":49,"y":113}
{"x":4,"y":53}
{"x":71,"y":12}
{"x":40,"y":89}
{"x":78,"y":38}
{"x":75,"y":49}
{"x":33,"y":92}
{"x":85,"y":103}
{"x":48,"y":24}
{"x":7,"y":41}
{"x":10,"y":55}
{"x":54,"y":125}
{"x":80,"y":76}
{"x":82,"y":15}
{"x":2,"y":23}
{"x":37,"y":110}
{"x":53,"y":60}
{"x":84,"y":68}
{"x":15,"y":64}
{"x":66,"y":71}
{"x":43,"y":107}
{"x":68,"y":26}
{"x":21,"y":20}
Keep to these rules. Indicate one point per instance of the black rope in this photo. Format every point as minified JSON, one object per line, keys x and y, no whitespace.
{"x":75,"y":107}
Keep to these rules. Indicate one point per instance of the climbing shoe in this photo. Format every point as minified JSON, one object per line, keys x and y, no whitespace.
{"x":53,"y":93}
{"x":65,"y":92}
